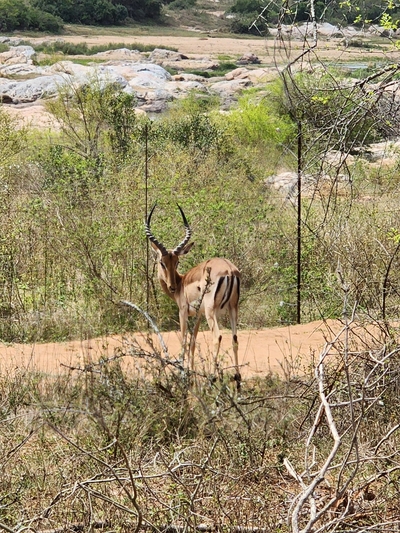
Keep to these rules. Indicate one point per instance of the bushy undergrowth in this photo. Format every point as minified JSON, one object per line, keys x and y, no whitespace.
{"x":111,"y":425}
{"x":101,"y":445}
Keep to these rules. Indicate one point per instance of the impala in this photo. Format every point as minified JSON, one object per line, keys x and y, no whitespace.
{"x":210,"y":288}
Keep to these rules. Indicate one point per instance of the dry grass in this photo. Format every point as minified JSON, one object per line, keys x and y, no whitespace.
{"x":101,"y":447}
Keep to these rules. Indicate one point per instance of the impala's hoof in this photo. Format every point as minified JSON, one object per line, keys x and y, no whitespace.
{"x":238,"y":378}
{"x":212,"y":379}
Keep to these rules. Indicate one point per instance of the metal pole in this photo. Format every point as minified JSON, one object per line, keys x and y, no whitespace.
{"x":299,"y":170}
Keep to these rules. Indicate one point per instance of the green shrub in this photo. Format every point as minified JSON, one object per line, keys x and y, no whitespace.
{"x":96,"y":118}
{"x":262,"y":119}
{"x":83,"y":48}
{"x":334,"y":110}
{"x":245,"y":23}
{"x":90,"y":12}
{"x":221,"y":70}
{"x":246,"y":6}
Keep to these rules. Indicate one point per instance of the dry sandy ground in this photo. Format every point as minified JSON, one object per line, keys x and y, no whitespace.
{"x":268,"y":50}
{"x":288,"y":351}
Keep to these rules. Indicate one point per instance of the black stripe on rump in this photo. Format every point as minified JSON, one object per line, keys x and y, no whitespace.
{"x":231,"y":281}
{"x":228,"y":291}
{"x":220,"y":282}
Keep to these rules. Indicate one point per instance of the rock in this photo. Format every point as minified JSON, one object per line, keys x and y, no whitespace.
{"x":120,"y":53}
{"x":147,"y":80}
{"x":227,"y":87}
{"x":192,"y":64}
{"x":188,"y":77}
{"x":311,"y":185}
{"x":248,"y":59}
{"x":262,"y":75}
{"x":182,"y":88}
{"x":17,"y":54}
{"x":18,"y":70}
{"x":155,"y":105}
{"x":140,"y":112}
{"x":16,"y":92}
{"x":69,"y":68}
{"x":302,"y":30}
{"x":156,"y":70}
{"x":158,"y":55}
{"x":82,"y":74}
{"x":238,"y":73}
{"x":135,"y":73}
{"x":327,"y":29}
{"x":285,"y":182}
{"x":33,"y":115}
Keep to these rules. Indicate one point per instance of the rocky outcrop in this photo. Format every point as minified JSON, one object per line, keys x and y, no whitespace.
{"x":312,"y":186}
{"x":146,"y":76}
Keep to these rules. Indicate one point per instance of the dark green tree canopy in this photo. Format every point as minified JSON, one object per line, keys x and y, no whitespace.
{"x":17,"y":15}
{"x":50,"y":15}
{"x":84,"y":12}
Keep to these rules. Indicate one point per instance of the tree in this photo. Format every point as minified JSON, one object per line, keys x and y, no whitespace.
{"x":141,"y":9}
{"x":96,"y":118}
{"x":89,"y":12}
{"x":17,"y":15}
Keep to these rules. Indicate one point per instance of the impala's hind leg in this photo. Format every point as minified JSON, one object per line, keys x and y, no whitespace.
{"x":233,"y":317}
{"x":192,"y":347}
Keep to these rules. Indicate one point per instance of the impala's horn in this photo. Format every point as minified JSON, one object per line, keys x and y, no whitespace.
{"x":150,"y":236}
{"x":180,"y":246}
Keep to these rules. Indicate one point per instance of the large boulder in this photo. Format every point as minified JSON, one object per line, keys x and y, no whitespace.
{"x":17,"y":92}
{"x":159,"y":55}
{"x":83,"y":74}
{"x":18,"y":70}
{"x":120,"y":54}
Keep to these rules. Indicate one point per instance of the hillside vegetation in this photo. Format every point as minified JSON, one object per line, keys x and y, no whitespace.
{"x":237,"y":16}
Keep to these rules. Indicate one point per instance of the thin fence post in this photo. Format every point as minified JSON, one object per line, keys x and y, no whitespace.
{"x":299,"y":171}
{"x":146,"y":195}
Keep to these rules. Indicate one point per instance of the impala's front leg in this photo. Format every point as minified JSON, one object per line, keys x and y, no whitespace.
{"x":183,"y":319}
{"x":217,"y":338}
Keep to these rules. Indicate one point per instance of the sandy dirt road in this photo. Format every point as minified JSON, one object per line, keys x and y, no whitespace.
{"x":287,"y":351}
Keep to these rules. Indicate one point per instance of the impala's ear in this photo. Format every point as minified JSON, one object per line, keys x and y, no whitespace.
{"x":186,"y":249}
